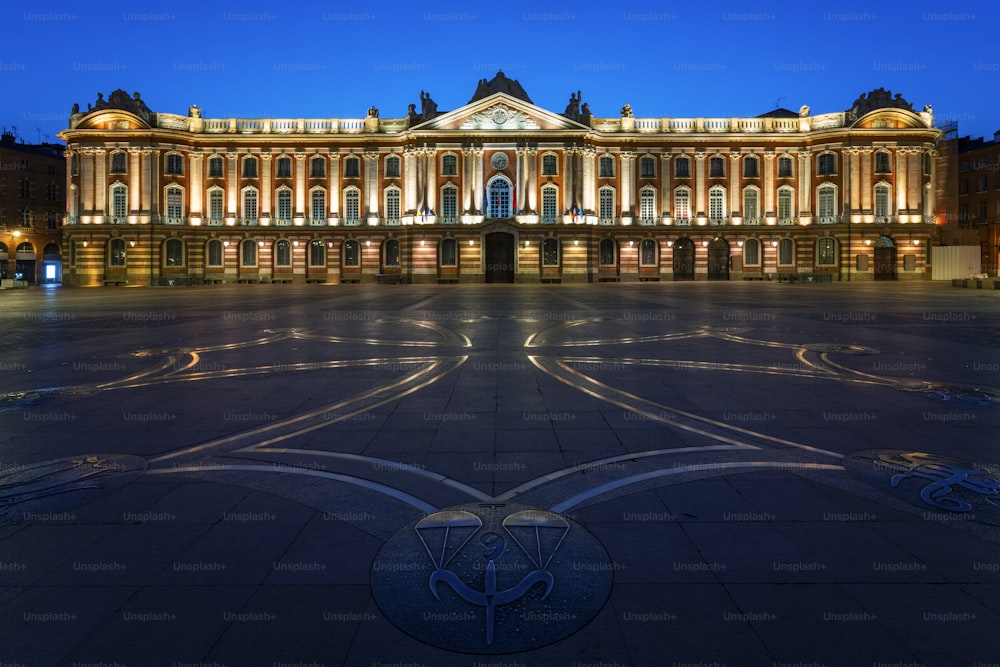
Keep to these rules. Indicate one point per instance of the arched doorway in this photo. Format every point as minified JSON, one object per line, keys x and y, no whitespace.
{"x":885,"y":258}
{"x":499,"y":199}
{"x":684,"y":259}
{"x":499,"y":257}
{"x":718,"y":259}
{"x":24,"y":268}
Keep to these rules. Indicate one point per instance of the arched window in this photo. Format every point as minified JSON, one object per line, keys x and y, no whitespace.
{"x":550,"y":198}
{"x":647,"y":206}
{"x":284,"y":212}
{"x":751,"y":252}
{"x":352,"y":253}
{"x":716,"y":204}
{"x":352,"y":206}
{"x":283,"y":253}
{"x":550,"y":252}
{"x":116,"y":252}
{"x":882,"y":205}
{"x":392,"y":205}
{"x":250,"y":210}
{"x":786,"y":252}
{"x":786,"y":196}
{"x":119,"y":203}
{"x":826,"y":251}
{"x":175,"y":205}
{"x":751,"y":206}
{"x":173,"y":252}
{"x":215,"y":252}
{"x":682,"y":206}
{"x":826,"y":204}
{"x":317,"y":207}
{"x":449,"y":252}
{"x":499,"y":202}
{"x":606,"y":202}
{"x":647,"y":252}
{"x":215,"y":211}
{"x":390,"y":253}
{"x":449,"y":204}
{"x":248,"y":253}
{"x":317,"y":253}
{"x":606,"y":252}
{"x":283,"y":167}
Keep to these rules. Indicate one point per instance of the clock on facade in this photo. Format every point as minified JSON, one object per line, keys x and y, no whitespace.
{"x":499,"y":161}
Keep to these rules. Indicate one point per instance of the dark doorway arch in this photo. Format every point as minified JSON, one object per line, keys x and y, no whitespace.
{"x":718,"y":259}
{"x":684,"y":259}
{"x":885,"y":258}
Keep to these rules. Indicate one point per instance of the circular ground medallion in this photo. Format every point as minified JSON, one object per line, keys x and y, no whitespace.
{"x":45,"y":490}
{"x":484,"y":578}
{"x":944,"y":487}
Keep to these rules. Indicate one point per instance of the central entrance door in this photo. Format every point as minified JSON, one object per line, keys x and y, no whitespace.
{"x":885,"y":258}
{"x":499,"y":257}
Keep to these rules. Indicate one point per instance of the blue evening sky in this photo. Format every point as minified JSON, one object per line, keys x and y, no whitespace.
{"x":335,"y":59}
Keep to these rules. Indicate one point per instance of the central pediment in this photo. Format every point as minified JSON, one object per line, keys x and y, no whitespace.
{"x":499,"y":112}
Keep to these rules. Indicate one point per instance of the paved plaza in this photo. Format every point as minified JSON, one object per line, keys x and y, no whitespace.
{"x":495,"y":475}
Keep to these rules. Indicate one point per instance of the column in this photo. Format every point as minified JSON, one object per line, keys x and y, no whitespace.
{"x":865,"y":157}
{"x":929,"y":202}
{"x":914,"y":182}
{"x":333,"y":188}
{"x":468,"y":187}
{"x":735,"y":205}
{"x":478,"y":177}
{"x":300,"y":183}
{"x":196,"y":185}
{"x":568,"y":178}
{"x":134,"y":180}
{"x":519,"y":170}
{"x":854,"y":157}
{"x":100,"y":181}
{"x":628,"y":183}
{"x":147,"y":163}
{"x":666,"y":194}
{"x":71,"y":194}
{"x":153,"y":168}
{"x":769,"y":208}
{"x":371,"y":184}
{"x":901,"y":191}
{"x":589,"y":191}
{"x":232,"y":185}
{"x":699,"y":184}
{"x":531,"y":176}
{"x":805,"y":182}
{"x":410,"y":163}
{"x":430,"y":169}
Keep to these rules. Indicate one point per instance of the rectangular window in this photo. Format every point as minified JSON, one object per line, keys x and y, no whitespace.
{"x":784,"y":204}
{"x":784,"y":167}
{"x":827,"y":164}
{"x":982,"y":184}
{"x":318,"y":211}
{"x":647,"y":168}
{"x":549,"y":196}
{"x":449,"y":252}
{"x":215,"y":167}
{"x":449,"y":165}
{"x":682,"y":167}
{"x":826,"y":208}
{"x":826,"y":252}
{"x":550,"y":252}
{"x":215,"y":253}
{"x":882,"y":163}
{"x":392,"y":167}
{"x":963,"y":186}
{"x":174,"y":164}
{"x":716,"y":167}
{"x":317,"y":253}
{"x":284,"y":205}
{"x":352,"y":205}
{"x":647,"y":206}
{"x":317,"y":167}
{"x":215,"y":205}
{"x":174,"y":204}
{"x":751,"y":211}
{"x":785,"y":248}
{"x":449,"y":204}
{"x":716,"y":204}
{"x":607,"y":204}
{"x":352,"y":168}
{"x":606,"y":167}
{"x":118,"y":163}
{"x":750,"y":167}
{"x":682,"y":205}
{"x":283,"y":168}
{"x":250,"y":167}
{"x":392,"y":205}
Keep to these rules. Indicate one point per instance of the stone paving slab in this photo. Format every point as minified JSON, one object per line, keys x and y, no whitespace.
{"x":700,"y":433}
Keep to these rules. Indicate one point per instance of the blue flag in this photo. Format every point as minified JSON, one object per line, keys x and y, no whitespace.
{"x":486,"y":201}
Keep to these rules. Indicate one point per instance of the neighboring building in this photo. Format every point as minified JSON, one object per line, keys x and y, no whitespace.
{"x":498,"y":190}
{"x":969,"y":190}
{"x":32,"y":208}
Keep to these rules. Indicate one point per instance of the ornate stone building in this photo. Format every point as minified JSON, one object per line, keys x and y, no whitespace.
{"x":498,"y":190}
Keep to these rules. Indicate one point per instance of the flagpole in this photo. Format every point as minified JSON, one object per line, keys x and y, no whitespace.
{"x":517,"y":179}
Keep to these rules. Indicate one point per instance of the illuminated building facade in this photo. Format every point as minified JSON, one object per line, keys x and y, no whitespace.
{"x":498,"y":190}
